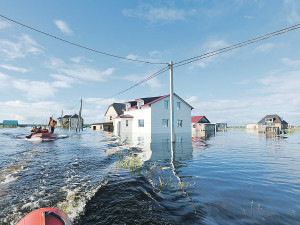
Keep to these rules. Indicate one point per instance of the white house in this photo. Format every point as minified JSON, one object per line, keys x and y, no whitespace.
{"x":149,"y":117}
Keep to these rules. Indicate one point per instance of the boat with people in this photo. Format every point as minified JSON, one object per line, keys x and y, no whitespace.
{"x":46,"y":216}
{"x":41,"y":134}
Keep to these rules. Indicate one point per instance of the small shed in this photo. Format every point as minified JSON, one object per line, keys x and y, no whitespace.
{"x":102,"y":126}
{"x":10,"y":123}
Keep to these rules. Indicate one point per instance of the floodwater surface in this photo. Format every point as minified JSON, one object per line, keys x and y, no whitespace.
{"x":233,"y":177}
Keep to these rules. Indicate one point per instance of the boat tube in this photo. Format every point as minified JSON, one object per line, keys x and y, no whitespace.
{"x":46,"y":216}
{"x":43,"y":136}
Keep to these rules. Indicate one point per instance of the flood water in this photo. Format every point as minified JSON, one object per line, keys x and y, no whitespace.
{"x":233,"y":177}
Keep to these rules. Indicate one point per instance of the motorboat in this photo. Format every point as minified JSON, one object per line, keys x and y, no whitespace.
{"x":43,"y":136}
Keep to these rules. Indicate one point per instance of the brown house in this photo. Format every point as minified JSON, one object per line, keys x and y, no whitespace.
{"x":272,"y":124}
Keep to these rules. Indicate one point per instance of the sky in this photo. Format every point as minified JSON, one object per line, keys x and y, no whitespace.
{"x":42,"y":76}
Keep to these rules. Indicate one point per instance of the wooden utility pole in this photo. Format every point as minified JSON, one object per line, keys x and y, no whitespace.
{"x":171,"y":104}
{"x":79,"y":126}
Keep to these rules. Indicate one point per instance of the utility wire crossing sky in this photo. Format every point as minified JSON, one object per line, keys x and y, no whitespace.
{"x":41,"y":74}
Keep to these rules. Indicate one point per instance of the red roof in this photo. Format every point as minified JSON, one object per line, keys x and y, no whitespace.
{"x":150,"y":100}
{"x":196,"y":119}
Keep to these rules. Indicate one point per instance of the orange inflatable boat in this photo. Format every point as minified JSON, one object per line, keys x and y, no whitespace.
{"x":46,"y":216}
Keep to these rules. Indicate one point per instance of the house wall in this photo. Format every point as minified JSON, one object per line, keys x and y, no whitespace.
{"x":252,"y":126}
{"x":143,"y":113}
{"x":159,"y":113}
{"x":124,"y":130}
{"x":111,"y":112}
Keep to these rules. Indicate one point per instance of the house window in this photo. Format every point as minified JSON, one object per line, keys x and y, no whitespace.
{"x":165,"y":122}
{"x":141,"y":123}
{"x":269,"y":120}
{"x":194,"y":125}
{"x":110,"y":117}
{"x":178,"y":105}
{"x":179,"y":123}
{"x":166,"y":102}
{"x":126,"y":123}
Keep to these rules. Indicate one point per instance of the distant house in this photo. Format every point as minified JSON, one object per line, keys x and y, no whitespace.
{"x":10,"y":123}
{"x":221,"y":125}
{"x":201,"y":125}
{"x":68,"y":121}
{"x":149,"y":116}
{"x":272,"y":123}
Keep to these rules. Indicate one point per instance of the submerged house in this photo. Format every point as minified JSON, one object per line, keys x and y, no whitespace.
{"x":113,"y":111}
{"x":272,"y":124}
{"x":149,"y":117}
{"x":68,"y":121}
{"x":201,"y":125}
{"x":10,"y":123}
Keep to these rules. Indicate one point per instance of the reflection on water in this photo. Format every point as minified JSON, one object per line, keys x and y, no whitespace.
{"x":231,"y":177}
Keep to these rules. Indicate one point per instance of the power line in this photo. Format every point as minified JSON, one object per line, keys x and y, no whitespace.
{"x":235,"y":46}
{"x":78,"y":45}
{"x":135,"y":85}
{"x":210,"y":54}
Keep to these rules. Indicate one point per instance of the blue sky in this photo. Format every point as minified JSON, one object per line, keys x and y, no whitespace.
{"x":41,"y":76}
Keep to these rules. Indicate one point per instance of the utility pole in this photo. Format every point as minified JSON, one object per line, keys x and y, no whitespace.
{"x":171,"y":104}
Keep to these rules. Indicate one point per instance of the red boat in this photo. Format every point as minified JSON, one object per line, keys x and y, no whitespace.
{"x":43,"y":136}
{"x":46,"y":216}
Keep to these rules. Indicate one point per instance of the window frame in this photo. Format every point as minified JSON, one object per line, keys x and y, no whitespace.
{"x":166,"y":104}
{"x":165,"y":124}
{"x":141,"y":124}
{"x":178,"y":105}
{"x":179,"y":123}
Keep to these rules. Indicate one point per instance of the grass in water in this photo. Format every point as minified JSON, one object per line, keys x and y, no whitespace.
{"x":131,"y":163}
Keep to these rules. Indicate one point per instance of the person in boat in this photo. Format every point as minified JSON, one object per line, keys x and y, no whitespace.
{"x":45,"y":130}
{"x":52,"y":123}
{"x":33,"y":130}
{"x":39,"y":130}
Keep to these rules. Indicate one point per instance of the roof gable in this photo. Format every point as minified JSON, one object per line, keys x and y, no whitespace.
{"x":275,"y":117}
{"x":199,"y":119}
{"x":118,"y":107}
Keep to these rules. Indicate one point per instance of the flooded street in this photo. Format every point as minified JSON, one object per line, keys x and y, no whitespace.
{"x":233,"y":177}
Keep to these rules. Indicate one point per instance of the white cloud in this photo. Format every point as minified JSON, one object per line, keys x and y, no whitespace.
{"x":264,"y":48}
{"x":208,"y":47}
{"x":290,"y":62}
{"x":4,"y":24}
{"x":37,"y":112}
{"x":76,"y":59}
{"x":35,"y":89}
{"x":4,"y":82}
{"x":14,"y":68}
{"x":24,"y":46}
{"x":275,"y":94}
{"x":153,"y":14}
{"x":63,"y":27}
{"x":79,"y":71}
{"x":292,"y":11}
